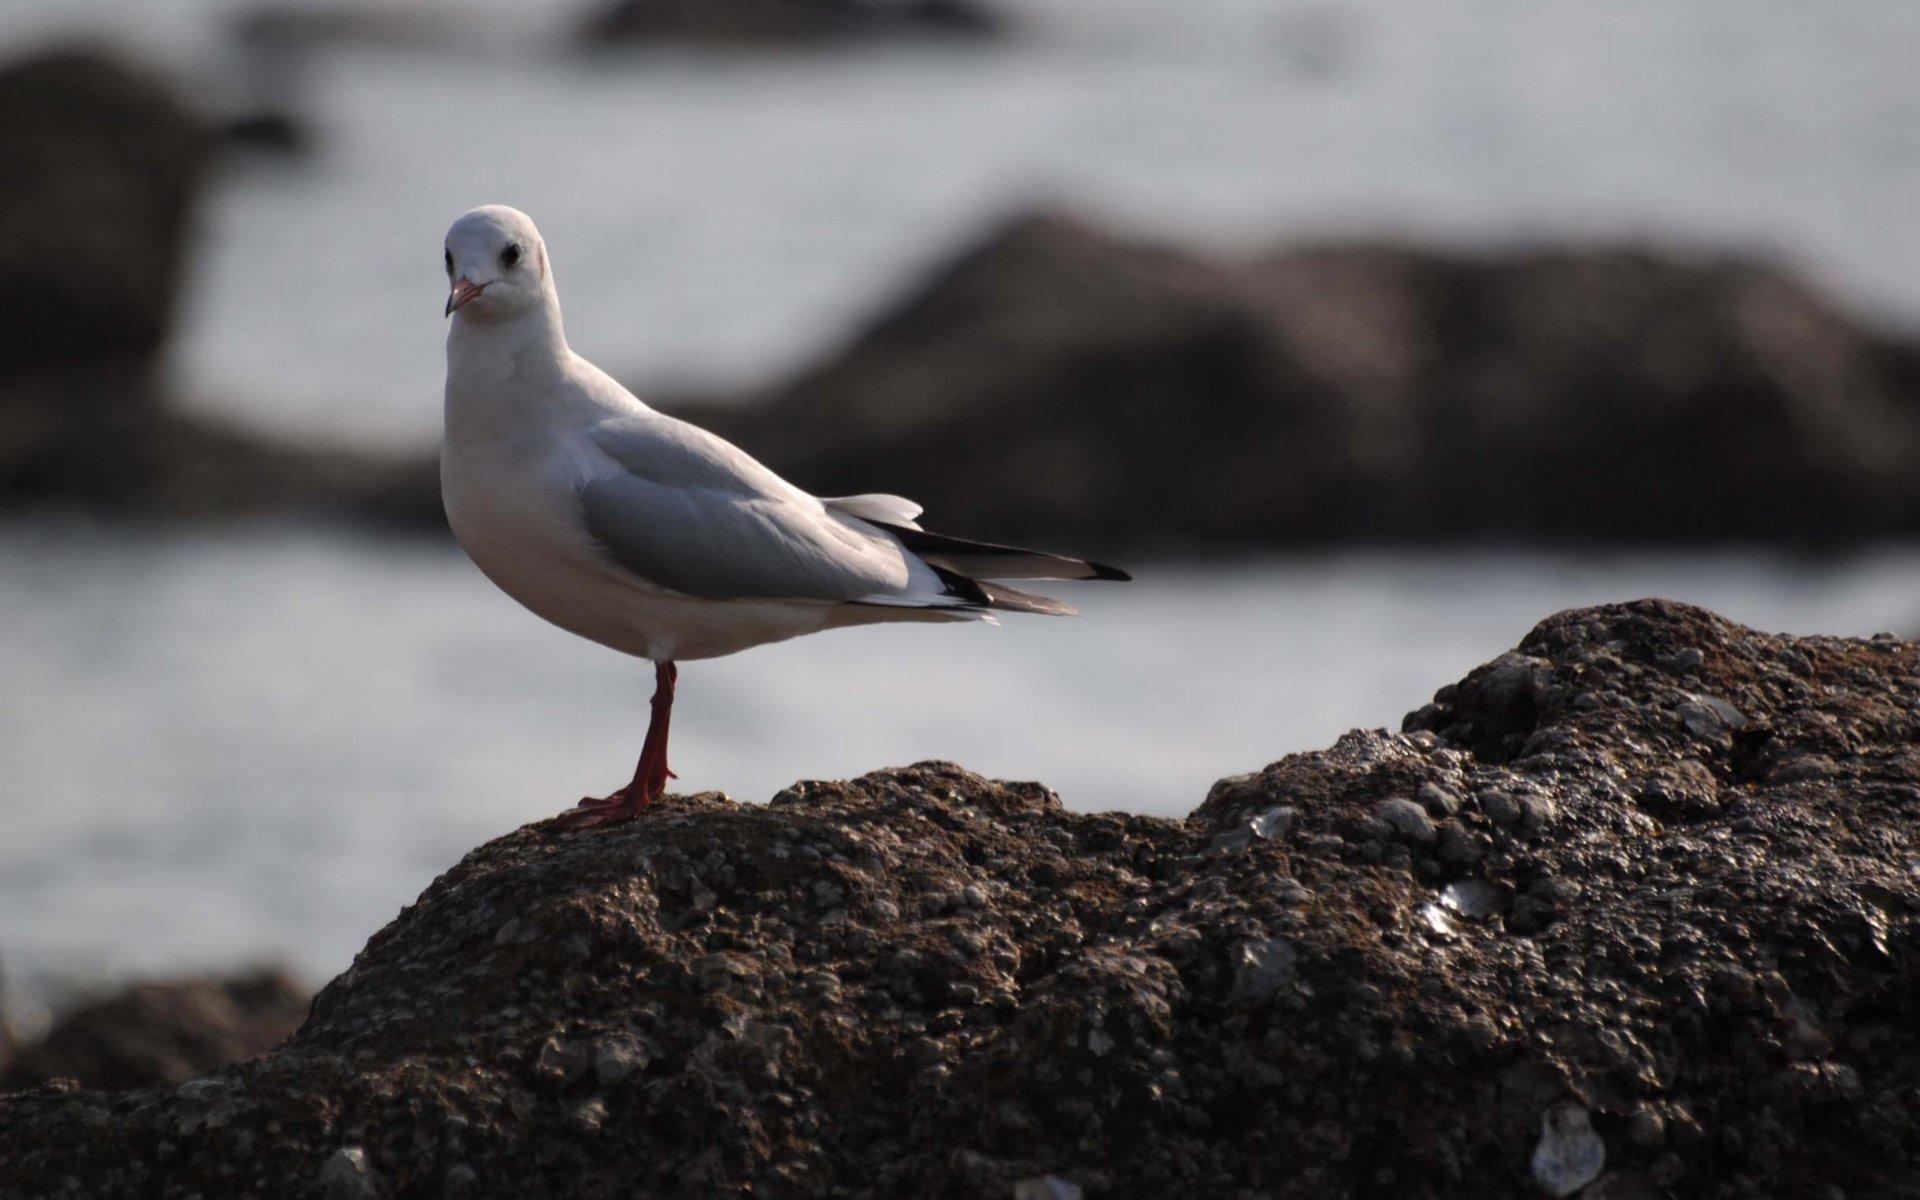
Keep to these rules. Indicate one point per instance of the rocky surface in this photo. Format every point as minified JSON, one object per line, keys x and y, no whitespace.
{"x":100,"y":164}
{"x":161,"y":1032}
{"x":1628,"y":912}
{"x":1057,"y":381}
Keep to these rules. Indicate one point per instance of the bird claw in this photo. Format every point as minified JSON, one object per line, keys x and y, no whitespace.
{"x":594,"y":812}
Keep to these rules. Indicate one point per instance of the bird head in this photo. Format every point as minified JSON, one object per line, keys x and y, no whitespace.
{"x":496,"y":265}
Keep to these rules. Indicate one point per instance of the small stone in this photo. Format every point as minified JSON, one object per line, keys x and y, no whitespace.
{"x":461,"y":1179}
{"x":1687,"y":659}
{"x":974,"y":895}
{"x":1570,"y":1154}
{"x":715,"y":972}
{"x":1233,"y":841}
{"x":1261,"y":967}
{"x":1046,"y":1187}
{"x":617,"y":1058}
{"x":1439,"y":921}
{"x":1439,"y":801}
{"x":1273,"y":823}
{"x":587,"y":1116}
{"x":1646,"y":1128}
{"x":1538,"y":811}
{"x":1802,"y":770}
{"x":1500,"y":807}
{"x":1703,"y":722}
{"x":561,"y":1061}
{"x":1458,"y":848}
{"x":1408,"y":820}
{"x":346,"y":1176}
{"x":1471,"y":898}
{"x":884,"y":910}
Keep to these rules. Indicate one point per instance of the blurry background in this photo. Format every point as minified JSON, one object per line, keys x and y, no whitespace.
{"x":1367,"y":332}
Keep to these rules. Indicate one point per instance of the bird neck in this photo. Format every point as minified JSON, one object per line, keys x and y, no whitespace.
{"x":492,"y":367}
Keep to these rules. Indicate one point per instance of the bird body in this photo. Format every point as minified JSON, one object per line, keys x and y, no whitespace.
{"x":647,"y":534}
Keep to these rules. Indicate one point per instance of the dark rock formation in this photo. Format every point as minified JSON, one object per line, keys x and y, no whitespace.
{"x":162,"y":1032}
{"x":1057,"y":382}
{"x":99,"y":167}
{"x":783,"y":22}
{"x":1630,"y":909}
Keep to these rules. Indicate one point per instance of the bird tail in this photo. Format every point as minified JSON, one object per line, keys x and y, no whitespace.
{"x":989,"y":560}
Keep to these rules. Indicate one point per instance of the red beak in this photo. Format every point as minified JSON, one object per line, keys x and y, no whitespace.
{"x":463,"y":290}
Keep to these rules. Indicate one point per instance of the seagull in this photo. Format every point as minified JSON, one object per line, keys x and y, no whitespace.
{"x":650,"y":535}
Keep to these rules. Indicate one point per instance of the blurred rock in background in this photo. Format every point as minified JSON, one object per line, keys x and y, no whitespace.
{"x":162,"y":1032}
{"x":100,"y":165}
{"x":783,"y":22}
{"x":1059,"y":381}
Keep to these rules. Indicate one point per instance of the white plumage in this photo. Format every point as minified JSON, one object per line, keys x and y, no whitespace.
{"x":645,"y":533}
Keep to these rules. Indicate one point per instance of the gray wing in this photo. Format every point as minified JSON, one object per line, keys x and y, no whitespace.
{"x":685,"y":510}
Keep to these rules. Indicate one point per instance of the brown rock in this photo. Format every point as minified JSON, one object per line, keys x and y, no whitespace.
{"x":163,"y":1032}
{"x":935,"y":984}
{"x":1057,"y":381}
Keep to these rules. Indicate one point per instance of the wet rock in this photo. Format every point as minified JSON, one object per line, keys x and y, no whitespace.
{"x":1333,"y":392}
{"x":1609,"y":1002}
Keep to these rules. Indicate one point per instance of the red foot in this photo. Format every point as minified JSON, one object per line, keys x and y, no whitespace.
{"x":650,"y":775}
{"x":593,"y":812}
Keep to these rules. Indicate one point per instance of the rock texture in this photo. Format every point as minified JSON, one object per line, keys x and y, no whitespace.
{"x":1628,"y":912}
{"x":1056,"y":381}
{"x":162,"y":1032}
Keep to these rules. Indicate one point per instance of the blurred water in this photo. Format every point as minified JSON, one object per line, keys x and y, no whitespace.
{"x":219,"y":747}
{"x":717,"y":219}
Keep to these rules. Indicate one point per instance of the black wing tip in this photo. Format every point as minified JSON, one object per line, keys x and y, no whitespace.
{"x":1112,"y":574}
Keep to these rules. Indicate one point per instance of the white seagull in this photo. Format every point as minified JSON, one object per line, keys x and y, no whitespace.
{"x":649,"y":535}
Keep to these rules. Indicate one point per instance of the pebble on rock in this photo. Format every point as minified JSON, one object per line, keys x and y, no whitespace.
{"x":1569,"y":1155}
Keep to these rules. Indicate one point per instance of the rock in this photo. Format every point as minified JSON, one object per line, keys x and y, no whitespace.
{"x":1407,"y":819}
{"x":1046,"y":1187}
{"x":163,"y":1032}
{"x":783,"y":22}
{"x":1570,"y":1154}
{"x":103,"y":164}
{"x":1610,"y":1000}
{"x":1057,"y":381}
{"x":1273,"y":823}
{"x":345,"y":1176}
{"x":1261,"y":968}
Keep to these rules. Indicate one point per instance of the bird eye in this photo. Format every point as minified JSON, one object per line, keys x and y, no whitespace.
{"x":511,"y":255}
{"x":449,"y":262}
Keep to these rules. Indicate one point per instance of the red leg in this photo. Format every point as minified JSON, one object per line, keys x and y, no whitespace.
{"x":650,"y":774}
